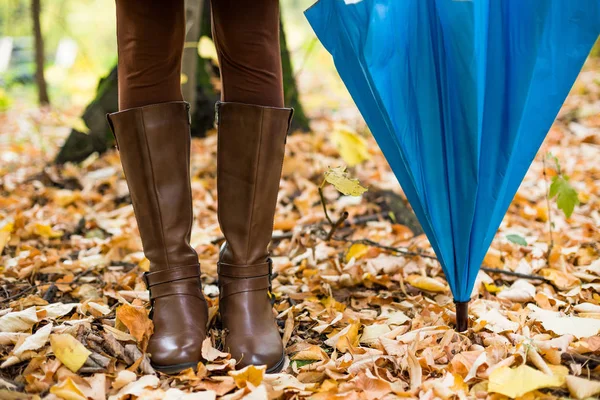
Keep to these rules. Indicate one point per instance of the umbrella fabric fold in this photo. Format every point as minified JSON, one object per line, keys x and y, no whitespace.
{"x":459,"y":95}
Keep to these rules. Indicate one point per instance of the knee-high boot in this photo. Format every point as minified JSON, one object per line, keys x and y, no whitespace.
{"x":154,"y":144}
{"x":251,"y":141}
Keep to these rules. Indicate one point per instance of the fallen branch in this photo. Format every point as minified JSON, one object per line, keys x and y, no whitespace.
{"x":17,"y":295}
{"x":50,"y":293}
{"x":515,"y":274}
{"x":574,"y":358}
{"x":360,"y":220}
{"x":336,"y":225}
{"x":372,"y":243}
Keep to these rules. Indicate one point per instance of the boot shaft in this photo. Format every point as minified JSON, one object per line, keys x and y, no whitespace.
{"x":251,"y":147}
{"x":154,"y":144}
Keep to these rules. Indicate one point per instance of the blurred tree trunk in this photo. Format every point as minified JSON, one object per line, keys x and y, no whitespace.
{"x":39,"y":53}
{"x":193,"y":15}
{"x":290,"y":86}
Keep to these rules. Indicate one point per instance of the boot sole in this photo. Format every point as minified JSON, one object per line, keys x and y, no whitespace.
{"x":277,"y":367}
{"x":174,"y":369}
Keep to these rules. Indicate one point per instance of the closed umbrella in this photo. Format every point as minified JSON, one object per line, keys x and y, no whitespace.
{"x":459,"y":95}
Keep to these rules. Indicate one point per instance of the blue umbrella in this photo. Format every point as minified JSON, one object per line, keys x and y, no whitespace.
{"x":459,"y":95}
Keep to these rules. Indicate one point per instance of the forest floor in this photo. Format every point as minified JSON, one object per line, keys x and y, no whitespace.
{"x":361,"y":319}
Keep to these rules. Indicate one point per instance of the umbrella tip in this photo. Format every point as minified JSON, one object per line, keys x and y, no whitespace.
{"x":462,"y":315}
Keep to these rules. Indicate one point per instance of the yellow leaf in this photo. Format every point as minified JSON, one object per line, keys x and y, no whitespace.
{"x":46,"y":231}
{"x":357,"y":251}
{"x":5,"y":232}
{"x":515,"y":382}
{"x":345,"y":338}
{"x":340,"y":178}
{"x":68,"y":390}
{"x":251,"y":374}
{"x":490,"y":287}
{"x":137,"y":321}
{"x":351,"y":146}
{"x":493,"y":259}
{"x":64,"y":197}
{"x":426,"y":283}
{"x":69,"y":351}
{"x":206,"y":49}
{"x":144,"y":264}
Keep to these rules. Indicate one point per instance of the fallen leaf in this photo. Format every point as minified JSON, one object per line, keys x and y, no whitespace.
{"x":356,"y":251}
{"x":68,"y":390}
{"x":496,"y":322}
{"x":34,"y":341}
{"x":176,"y":394}
{"x":520,"y":291}
{"x":345,"y":338}
{"x":137,"y":387}
{"x":426,"y":283}
{"x":137,"y":322}
{"x":581,"y":388}
{"x":373,"y":332}
{"x":96,"y":387}
{"x":259,"y":393}
{"x":563,"y":280}
{"x":56,"y":310}
{"x":516,"y":382}
{"x":566,"y":325}
{"x":124,"y":377}
{"x":46,"y":231}
{"x":251,"y":374}
{"x":5,"y":232}
{"x":209,"y":353}
{"x":18,"y":321}
{"x":312,"y":353}
{"x":283,"y":381}
{"x":351,"y":146}
{"x":69,"y":351}
{"x":372,"y":386}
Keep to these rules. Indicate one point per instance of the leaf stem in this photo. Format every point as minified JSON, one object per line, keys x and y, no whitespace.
{"x":551,"y":245}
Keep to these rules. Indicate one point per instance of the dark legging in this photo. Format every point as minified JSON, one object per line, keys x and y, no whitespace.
{"x":151,"y":34}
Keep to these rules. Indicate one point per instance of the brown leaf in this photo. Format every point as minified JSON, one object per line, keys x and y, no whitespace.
{"x":137,"y":322}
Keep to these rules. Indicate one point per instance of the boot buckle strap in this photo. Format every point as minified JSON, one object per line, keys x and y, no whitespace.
{"x":244,"y":271}
{"x":245,"y":285}
{"x":189,"y":287}
{"x":171,"y":275}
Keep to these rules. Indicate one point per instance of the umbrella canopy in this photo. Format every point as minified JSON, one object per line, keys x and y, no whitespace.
{"x":459,"y":94}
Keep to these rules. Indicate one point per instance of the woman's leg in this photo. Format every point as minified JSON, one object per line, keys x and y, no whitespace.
{"x":150,"y":38}
{"x":153,"y":136}
{"x":246,"y":35}
{"x":251,"y":144}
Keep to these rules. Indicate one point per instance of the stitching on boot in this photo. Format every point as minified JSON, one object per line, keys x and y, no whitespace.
{"x":160,"y":219}
{"x":257,"y":164}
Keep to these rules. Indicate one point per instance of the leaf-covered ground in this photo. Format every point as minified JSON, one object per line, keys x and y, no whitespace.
{"x":364,"y":311}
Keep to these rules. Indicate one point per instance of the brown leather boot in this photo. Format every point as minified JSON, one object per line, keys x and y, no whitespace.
{"x":250,"y":154}
{"x":154,"y":143}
